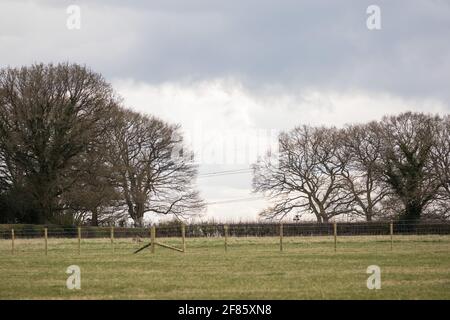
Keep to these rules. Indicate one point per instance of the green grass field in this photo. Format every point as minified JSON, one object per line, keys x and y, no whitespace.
{"x":253,"y":268}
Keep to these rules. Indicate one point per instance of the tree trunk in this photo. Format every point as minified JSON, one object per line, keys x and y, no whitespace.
{"x":94,"y":220}
{"x":138,"y":222}
{"x":413,"y":210}
{"x":411,"y":216}
{"x":139,"y":215}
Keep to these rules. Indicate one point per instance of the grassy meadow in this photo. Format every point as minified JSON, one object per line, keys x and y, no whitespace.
{"x":418,"y":267}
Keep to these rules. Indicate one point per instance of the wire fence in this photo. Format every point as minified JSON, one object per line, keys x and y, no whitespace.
{"x":26,"y":238}
{"x":235,"y":230}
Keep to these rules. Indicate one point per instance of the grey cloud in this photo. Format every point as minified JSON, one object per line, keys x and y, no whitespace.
{"x":293,"y":44}
{"x":274,"y":48}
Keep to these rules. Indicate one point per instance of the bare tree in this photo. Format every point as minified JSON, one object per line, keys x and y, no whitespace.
{"x":306,"y":175}
{"x":49,"y":114}
{"x":94,"y":198}
{"x":151,"y":171}
{"x":361,"y":155}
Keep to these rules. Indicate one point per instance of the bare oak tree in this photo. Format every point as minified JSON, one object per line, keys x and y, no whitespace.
{"x":94,"y":198}
{"x":151,"y":171}
{"x":305,"y":177}
{"x":360,"y":155}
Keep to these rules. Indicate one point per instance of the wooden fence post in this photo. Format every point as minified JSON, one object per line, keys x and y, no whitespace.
{"x":46,"y":240}
{"x":281,"y":236}
{"x":183,"y":236}
{"x":12,"y":241}
{"x":112,"y":238}
{"x":335,"y":236}
{"x":152,"y":238}
{"x":226,"y":237}
{"x":79,"y":240}
{"x":391,"y":227}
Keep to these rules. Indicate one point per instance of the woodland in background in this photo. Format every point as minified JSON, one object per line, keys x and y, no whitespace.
{"x":396,"y":168}
{"x":70,"y":153}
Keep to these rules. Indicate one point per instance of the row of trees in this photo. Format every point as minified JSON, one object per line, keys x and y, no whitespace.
{"x":398,"y":167}
{"x":69,"y":153}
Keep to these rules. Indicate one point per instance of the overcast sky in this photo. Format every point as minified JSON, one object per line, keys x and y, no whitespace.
{"x":235,"y":72}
